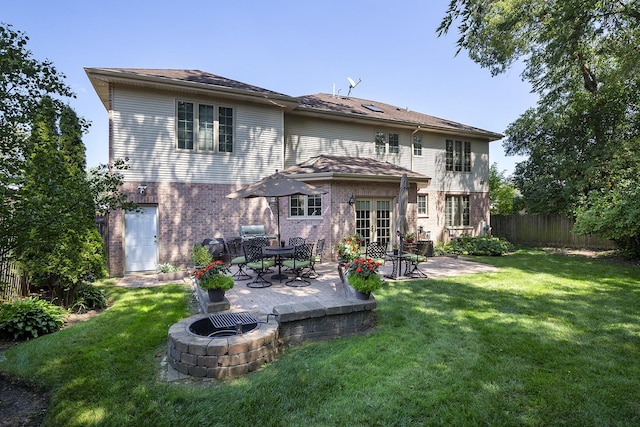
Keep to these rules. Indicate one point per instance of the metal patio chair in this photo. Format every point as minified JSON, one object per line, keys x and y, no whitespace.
{"x":237,"y":258}
{"x":315,"y":259}
{"x":300,"y":261}
{"x":257,"y":262}
{"x":413,"y":260}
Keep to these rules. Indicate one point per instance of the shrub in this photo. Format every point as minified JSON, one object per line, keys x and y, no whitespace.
{"x":200,"y":255}
{"x":167,"y":268}
{"x":89,"y":297}
{"x":481,"y":245}
{"x":29,"y":318}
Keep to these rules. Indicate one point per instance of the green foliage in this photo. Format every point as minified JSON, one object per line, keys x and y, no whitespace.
{"x":503,"y":196}
{"x":215,"y":276}
{"x":88,"y":297}
{"x":546,"y":340}
{"x":200,"y":255}
{"x":56,"y":241}
{"x":480,"y":245}
{"x":105,"y":182}
{"x":29,"y":318}
{"x":167,"y":268}
{"x":365,"y":284}
{"x":350,"y":247}
{"x":25,"y":81}
{"x":583,"y":137}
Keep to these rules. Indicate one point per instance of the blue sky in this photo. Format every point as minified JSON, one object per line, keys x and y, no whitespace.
{"x":293,"y":47}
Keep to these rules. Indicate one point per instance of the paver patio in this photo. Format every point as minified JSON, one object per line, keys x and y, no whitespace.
{"x":326,"y":286}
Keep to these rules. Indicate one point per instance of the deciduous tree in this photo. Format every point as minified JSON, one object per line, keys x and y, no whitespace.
{"x":582,"y":138}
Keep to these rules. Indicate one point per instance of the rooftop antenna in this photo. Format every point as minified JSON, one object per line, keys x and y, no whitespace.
{"x":352,"y":84}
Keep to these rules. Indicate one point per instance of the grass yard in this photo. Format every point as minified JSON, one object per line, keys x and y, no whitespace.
{"x":548,"y":340}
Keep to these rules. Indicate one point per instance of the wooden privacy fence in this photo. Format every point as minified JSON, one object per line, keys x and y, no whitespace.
{"x":544,"y":230}
{"x":11,"y":285}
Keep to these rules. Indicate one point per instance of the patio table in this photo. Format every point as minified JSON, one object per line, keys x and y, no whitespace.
{"x":396,"y":262}
{"x":279,"y":252}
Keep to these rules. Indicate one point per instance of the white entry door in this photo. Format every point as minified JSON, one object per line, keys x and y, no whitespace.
{"x":140,"y":239}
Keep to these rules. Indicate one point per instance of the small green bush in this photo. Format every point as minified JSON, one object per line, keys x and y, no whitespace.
{"x":89,"y":297}
{"x":167,"y":268}
{"x":29,"y":318}
{"x":481,"y":245}
{"x":200,"y":255}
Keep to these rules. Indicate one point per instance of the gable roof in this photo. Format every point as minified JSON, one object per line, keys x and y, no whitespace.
{"x":350,"y":108}
{"x":187,"y":81}
{"x":351,"y":168}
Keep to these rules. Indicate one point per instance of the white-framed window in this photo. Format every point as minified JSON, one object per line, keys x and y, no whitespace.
{"x":456,"y":210}
{"x":458,"y":156}
{"x":423,"y":204}
{"x":417,"y":145}
{"x":203,"y":127}
{"x":301,"y":206}
{"x":394,"y":143}
{"x":381,"y":142}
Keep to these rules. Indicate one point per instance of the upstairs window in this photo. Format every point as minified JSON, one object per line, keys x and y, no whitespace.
{"x":185,"y":125}
{"x":417,"y":145}
{"x":457,"y":211}
{"x":458,"y":156}
{"x":394,"y":144}
{"x":305,"y":206}
{"x":203,"y":128}
{"x":381,"y":142}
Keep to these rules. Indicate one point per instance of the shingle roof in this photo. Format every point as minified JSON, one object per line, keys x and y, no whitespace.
{"x":333,"y":167}
{"x":374,"y":110}
{"x":196,"y":76}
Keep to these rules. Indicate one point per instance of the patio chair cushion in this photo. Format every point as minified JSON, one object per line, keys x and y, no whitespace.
{"x":264,"y":264}
{"x":415,"y":257}
{"x":291,"y":263}
{"x":238,"y":260}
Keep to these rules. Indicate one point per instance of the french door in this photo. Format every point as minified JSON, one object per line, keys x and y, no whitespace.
{"x":373,"y":220}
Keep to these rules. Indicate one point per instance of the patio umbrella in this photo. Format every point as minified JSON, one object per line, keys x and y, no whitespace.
{"x":276,"y":185}
{"x":402,"y":226}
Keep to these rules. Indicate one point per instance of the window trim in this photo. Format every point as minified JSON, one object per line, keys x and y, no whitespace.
{"x":458,"y":156}
{"x":305,"y":206}
{"x":426,"y":205}
{"x":463,"y":205}
{"x":195,"y":143}
{"x":417,"y":150}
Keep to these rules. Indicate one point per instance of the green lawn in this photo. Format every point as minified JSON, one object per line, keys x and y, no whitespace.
{"x":547,"y":340}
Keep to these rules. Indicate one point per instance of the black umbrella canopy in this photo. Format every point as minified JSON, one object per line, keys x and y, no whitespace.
{"x":276,"y":185}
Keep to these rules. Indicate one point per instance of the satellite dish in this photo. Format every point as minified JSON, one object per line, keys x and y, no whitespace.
{"x":352,"y":84}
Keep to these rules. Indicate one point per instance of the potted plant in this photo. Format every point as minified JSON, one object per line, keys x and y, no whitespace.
{"x":168,"y":271}
{"x":362,"y":275}
{"x":215,"y":279}
{"x":410,"y":237}
{"x":349,"y":248}
{"x":200,"y":256}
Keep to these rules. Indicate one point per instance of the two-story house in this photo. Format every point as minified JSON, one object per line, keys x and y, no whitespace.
{"x":191,"y":138}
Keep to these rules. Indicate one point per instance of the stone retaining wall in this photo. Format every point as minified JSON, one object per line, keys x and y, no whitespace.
{"x":226,"y":357}
{"x":324,"y":319}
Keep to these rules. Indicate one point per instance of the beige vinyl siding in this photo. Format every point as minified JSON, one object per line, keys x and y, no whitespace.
{"x":144,"y":131}
{"x":307,"y":137}
{"x":433,"y":164}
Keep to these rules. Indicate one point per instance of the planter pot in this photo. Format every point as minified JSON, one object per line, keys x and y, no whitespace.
{"x":216,"y":295}
{"x":178,"y":275}
{"x":361,"y":295}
